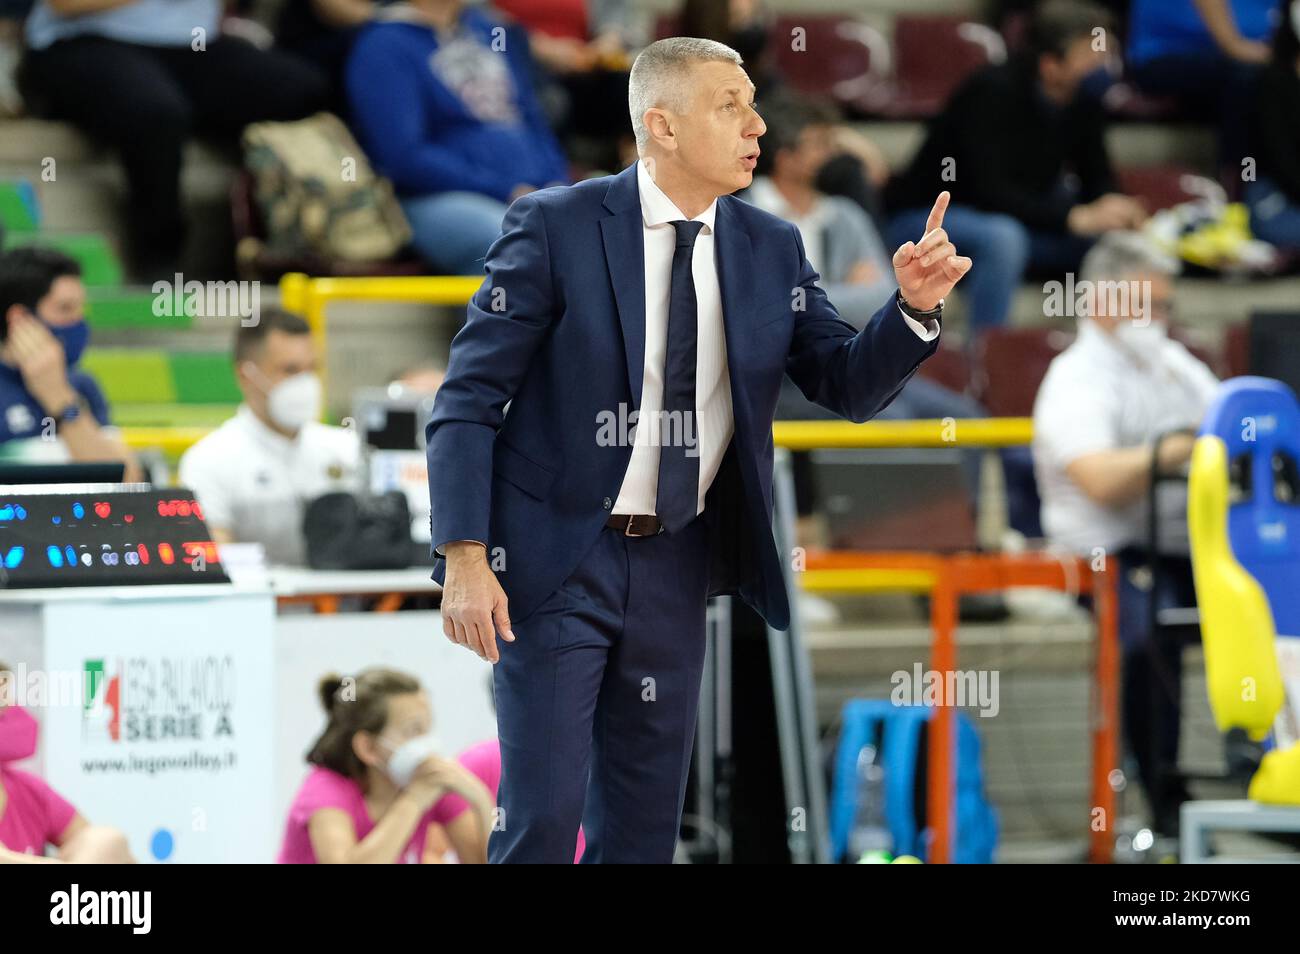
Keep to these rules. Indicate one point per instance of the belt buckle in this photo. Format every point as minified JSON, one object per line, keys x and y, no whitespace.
{"x":627,"y":531}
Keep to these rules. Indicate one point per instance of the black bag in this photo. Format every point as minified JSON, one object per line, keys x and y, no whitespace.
{"x":345,"y":531}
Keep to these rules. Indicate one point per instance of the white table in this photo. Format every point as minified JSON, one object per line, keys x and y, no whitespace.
{"x":1198,"y":818}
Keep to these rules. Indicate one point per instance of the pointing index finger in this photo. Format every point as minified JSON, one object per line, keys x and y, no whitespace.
{"x":936,"y":214}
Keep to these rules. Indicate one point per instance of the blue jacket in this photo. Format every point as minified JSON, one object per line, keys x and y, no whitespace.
{"x":21,"y":416}
{"x":427,"y":137}
{"x":558,"y":330}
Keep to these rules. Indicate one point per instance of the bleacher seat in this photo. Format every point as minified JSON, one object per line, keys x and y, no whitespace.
{"x":837,"y":57}
{"x":1159,"y":186}
{"x":1010,"y":364}
{"x":1236,"y":349}
{"x":19,"y":209}
{"x":933,"y":55}
{"x":948,"y":366}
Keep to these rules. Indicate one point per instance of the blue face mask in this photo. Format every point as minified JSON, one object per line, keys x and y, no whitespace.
{"x":1096,"y":84}
{"x":73,"y":337}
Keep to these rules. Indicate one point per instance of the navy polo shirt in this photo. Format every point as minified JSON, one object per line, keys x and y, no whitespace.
{"x":21,"y":415}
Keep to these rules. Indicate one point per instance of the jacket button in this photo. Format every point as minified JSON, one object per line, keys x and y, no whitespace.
{"x":608,"y":503}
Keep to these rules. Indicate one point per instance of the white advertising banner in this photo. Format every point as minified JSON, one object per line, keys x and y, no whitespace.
{"x":172,"y":738}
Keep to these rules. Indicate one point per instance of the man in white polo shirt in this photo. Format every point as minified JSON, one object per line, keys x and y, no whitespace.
{"x":255,"y":474}
{"x":1105,"y":401}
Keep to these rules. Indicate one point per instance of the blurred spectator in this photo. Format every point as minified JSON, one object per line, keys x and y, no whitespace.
{"x":378,"y":786}
{"x":1274,"y":197}
{"x":839,"y":239}
{"x":1207,"y":53}
{"x":584,"y":50}
{"x":843,"y":246}
{"x":33,"y":815}
{"x":142,"y":76}
{"x":446,"y":110}
{"x":856,"y":168}
{"x":1025,"y":158}
{"x":323,"y":31}
{"x":1104,"y":402}
{"x":255,"y":474}
{"x":55,"y":408}
{"x":743,"y":25}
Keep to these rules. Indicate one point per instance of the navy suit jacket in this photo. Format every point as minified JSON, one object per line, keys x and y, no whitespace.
{"x":557,"y":332}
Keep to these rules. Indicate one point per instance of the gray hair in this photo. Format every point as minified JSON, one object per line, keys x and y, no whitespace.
{"x":1119,"y":254}
{"x":656,"y":80}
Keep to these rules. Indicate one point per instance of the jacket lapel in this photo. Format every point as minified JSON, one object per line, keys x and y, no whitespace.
{"x":735,"y":255}
{"x":625,"y":260}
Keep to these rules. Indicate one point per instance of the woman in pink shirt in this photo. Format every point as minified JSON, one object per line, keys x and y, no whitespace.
{"x":33,"y":815}
{"x":378,"y":783}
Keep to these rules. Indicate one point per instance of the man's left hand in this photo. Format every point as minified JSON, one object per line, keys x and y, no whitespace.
{"x":927,"y":270}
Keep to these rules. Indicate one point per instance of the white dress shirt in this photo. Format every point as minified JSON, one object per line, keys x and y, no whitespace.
{"x":714,"y":424}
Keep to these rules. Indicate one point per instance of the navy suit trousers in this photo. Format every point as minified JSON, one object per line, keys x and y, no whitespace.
{"x":597,"y":700}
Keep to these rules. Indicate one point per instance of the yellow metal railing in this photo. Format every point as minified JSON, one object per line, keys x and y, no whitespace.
{"x":795,"y":435}
{"x":945,"y":432}
{"x":310,"y":297}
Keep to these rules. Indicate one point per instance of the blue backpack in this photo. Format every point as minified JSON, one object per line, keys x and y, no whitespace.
{"x":897,"y":730}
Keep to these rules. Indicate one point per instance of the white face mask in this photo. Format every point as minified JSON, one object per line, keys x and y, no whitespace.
{"x":295,"y":401}
{"x":409,"y":756}
{"x":1142,"y":340}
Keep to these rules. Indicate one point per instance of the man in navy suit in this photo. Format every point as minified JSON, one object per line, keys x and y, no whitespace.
{"x":600,"y":454}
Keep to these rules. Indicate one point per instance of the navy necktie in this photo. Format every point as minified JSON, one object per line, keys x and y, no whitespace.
{"x":679,"y":447}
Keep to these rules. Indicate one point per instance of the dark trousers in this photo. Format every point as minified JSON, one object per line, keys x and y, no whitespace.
{"x":145,"y":101}
{"x":597,"y":700}
{"x":1152,"y":668}
{"x":1214,"y":84}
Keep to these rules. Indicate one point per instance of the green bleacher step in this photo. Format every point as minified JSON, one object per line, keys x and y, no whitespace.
{"x":100,"y":265}
{"x":129,"y":308}
{"x":19,"y":210}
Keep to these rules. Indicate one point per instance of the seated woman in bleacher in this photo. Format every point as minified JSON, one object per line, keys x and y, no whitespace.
{"x":378,"y":791}
{"x":444,"y":107}
{"x":51,"y":410}
{"x":142,"y":76}
{"x":1208,"y":55}
{"x":1274,"y":196}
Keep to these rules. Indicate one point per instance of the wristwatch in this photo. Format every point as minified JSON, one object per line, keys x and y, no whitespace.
{"x":70,"y":412}
{"x":916,"y":313}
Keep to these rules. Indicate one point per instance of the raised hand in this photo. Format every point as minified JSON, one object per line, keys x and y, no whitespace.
{"x":927,"y":270}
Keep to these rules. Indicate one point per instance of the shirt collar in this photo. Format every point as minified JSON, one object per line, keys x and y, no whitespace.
{"x":658,"y":209}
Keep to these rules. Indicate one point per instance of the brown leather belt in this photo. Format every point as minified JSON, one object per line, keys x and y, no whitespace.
{"x":635,"y":525}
